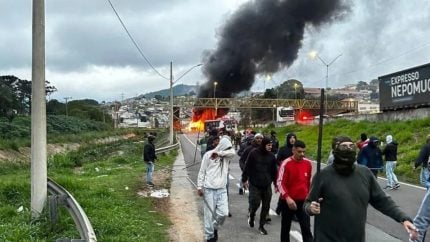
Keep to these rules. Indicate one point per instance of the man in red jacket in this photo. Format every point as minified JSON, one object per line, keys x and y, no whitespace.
{"x":293,"y":182}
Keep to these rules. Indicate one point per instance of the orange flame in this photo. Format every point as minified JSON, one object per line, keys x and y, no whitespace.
{"x":199,"y":117}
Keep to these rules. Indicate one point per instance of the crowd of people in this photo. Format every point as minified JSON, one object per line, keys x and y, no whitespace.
{"x":346,"y":186}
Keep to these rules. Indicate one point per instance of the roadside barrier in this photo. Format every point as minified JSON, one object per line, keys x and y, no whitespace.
{"x":60,"y":196}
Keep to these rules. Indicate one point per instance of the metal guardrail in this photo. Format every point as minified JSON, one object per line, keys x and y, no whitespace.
{"x":63,"y":197}
{"x":167,"y":148}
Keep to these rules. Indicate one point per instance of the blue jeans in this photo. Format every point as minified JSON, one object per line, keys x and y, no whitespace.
{"x":149,"y":171}
{"x":215,"y":210}
{"x":390,"y":166}
{"x":422,"y":220}
{"x":425,"y":177}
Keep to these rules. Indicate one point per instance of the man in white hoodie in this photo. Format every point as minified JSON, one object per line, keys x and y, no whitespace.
{"x":211,"y":184}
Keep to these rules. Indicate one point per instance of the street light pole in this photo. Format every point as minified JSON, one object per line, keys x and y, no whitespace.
{"x":273,"y":112}
{"x":171,"y":97}
{"x":295,"y":91}
{"x":314,"y":54}
{"x":216,"y":103}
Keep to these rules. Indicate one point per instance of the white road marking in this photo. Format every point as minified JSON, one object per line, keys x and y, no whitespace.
{"x":296,"y":235}
{"x":272,"y":212}
{"x":186,"y":136}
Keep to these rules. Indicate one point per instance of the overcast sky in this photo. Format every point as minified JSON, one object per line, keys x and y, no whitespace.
{"x":89,"y":55}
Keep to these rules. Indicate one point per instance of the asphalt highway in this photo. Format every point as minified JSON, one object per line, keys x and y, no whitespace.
{"x":378,"y":228}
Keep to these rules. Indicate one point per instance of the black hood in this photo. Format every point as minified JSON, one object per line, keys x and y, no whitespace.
{"x":289,"y":135}
{"x":264,"y":142}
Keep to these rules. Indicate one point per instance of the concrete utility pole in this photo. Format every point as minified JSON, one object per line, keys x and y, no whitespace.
{"x":171,"y":104}
{"x":67,"y":99}
{"x":38,"y":112}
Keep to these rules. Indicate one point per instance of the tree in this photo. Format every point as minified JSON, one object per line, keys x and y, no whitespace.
{"x":291,"y":89}
{"x":55,"y":107}
{"x":361,"y":85}
{"x":21,"y":92}
{"x":7,"y":100}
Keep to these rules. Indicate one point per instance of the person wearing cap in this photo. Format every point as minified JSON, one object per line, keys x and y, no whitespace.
{"x":340,"y":194}
{"x":371,"y":156}
{"x":255,"y":143}
{"x":258,"y":175}
{"x":212,"y":186}
{"x":149,"y":157}
{"x":390,"y":154}
{"x":423,"y":160}
{"x":293,"y":182}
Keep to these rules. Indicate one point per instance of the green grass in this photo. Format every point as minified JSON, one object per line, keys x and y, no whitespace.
{"x":105,"y":184}
{"x":410,"y":135}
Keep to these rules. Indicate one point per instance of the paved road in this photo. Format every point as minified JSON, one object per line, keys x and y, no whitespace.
{"x":379,"y":227}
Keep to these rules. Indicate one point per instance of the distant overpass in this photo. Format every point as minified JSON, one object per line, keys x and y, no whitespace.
{"x":332,"y":107}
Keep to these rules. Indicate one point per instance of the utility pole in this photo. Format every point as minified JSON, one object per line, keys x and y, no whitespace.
{"x":67,"y":110}
{"x":38,"y":112}
{"x":171,"y":104}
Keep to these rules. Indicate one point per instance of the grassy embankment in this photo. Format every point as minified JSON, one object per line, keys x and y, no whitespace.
{"x":104,"y":179}
{"x":410,"y":135}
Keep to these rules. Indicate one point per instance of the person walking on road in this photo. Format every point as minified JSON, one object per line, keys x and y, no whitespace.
{"x":149,"y":157}
{"x":363,"y":141}
{"x":390,"y":154}
{"x":254,"y":144}
{"x":258,"y":175}
{"x":340,"y":194}
{"x":285,"y":152}
{"x":424,"y":160}
{"x":212,"y":186}
{"x":371,"y":156}
{"x":293,"y":182}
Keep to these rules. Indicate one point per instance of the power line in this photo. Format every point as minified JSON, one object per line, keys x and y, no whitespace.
{"x":134,"y":42}
{"x":385,"y":60}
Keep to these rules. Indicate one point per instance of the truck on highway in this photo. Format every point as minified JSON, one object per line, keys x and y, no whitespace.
{"x":285,"y":114}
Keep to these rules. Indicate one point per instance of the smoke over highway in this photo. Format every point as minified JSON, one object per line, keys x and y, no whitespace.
{"x":262,"y":37}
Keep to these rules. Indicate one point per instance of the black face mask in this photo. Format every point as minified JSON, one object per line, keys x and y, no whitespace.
{"x":344,"y":160}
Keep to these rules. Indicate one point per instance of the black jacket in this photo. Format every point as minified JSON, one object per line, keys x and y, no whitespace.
{"x":149,"y":152}
{"x":245,"y":154}
{"x":371,"y":155}
{"x":424,"y":156}
{"x":260,"y":168}
{"x":390,"y":151}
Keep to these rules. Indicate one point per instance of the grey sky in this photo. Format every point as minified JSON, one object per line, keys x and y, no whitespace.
{"x":88,"y":54}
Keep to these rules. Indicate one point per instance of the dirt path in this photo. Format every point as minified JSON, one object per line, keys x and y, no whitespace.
{"x":183,"y":212}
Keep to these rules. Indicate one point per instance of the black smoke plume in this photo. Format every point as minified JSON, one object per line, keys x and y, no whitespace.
{"x":262,"y":37}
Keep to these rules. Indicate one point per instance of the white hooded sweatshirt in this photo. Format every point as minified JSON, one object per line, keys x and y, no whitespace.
{"x":213,"y":172}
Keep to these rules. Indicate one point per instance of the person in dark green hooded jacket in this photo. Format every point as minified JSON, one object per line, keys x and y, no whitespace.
{"x":340,"y":194}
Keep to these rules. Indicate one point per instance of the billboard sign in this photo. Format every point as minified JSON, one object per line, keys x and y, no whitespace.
{"x":407,"y":88}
